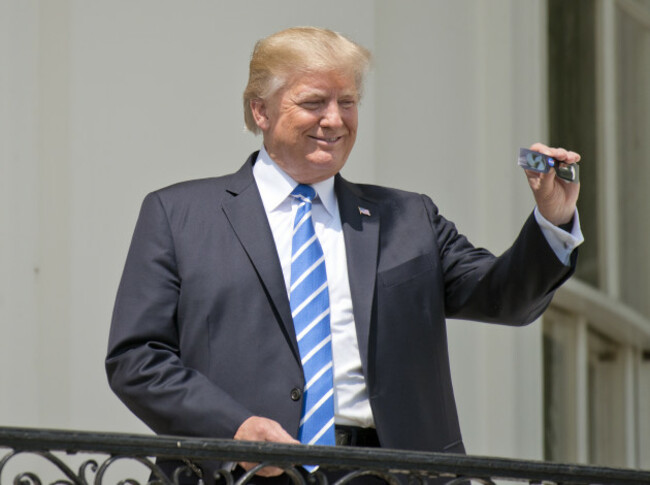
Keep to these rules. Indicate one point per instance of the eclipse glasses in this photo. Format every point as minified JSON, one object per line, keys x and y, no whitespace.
{"x":538,"y":162}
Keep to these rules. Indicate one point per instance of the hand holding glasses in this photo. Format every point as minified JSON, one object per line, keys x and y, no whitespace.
{"x":538,"y":162}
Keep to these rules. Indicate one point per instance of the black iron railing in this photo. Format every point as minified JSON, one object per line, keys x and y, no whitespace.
{"x":107,"y":449}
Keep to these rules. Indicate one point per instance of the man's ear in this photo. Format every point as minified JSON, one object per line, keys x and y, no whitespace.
{"x":260,"y":115}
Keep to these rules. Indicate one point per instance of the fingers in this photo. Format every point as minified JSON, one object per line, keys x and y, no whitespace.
{"x":257,"y":428}
{"x":561,"y":154}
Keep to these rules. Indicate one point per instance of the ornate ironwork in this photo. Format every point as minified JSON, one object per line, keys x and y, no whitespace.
{"x":392,"y":466}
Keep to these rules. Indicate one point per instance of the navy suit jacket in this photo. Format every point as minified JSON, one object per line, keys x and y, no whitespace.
{"x":202,"y":336}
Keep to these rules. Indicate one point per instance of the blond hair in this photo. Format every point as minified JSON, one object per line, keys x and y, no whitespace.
{"x":300,"y":50}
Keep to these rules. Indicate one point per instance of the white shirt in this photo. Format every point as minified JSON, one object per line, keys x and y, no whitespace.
{"x":351,"y":403}
{"x":562,"y":242}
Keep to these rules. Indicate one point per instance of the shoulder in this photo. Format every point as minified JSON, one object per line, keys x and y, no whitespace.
{"x":207,"y":190}
{"x":189,"y":188}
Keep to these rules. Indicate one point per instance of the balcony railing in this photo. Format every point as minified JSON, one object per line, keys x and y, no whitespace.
{"x":100,"y":452}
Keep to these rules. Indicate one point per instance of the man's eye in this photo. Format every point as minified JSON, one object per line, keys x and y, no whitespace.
{"x":310,"y":104}
{"x":347,"y":103}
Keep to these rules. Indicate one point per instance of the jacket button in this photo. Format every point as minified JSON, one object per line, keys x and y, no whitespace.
{"x":296,"y":394}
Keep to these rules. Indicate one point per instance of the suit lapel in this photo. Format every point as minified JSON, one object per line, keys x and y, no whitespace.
{"x":245,"y":212}
{"x":360,"y":221}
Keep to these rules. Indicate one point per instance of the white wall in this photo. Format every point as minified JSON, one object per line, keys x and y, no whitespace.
{"x":19,"y":372}
{"x":101,"y":102}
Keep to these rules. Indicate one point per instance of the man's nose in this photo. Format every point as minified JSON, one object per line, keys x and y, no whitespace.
{"x":332,"y":116}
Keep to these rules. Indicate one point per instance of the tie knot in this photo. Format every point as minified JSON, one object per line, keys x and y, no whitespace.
{"x":304,"y":192}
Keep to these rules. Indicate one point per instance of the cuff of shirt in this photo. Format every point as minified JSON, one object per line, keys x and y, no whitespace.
{"x":562,"y":242}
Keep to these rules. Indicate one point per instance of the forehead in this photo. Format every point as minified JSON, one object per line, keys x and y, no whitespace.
{"x":341,"y":82}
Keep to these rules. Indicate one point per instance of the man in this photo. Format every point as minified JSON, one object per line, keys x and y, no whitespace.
{"x":208,"y":335}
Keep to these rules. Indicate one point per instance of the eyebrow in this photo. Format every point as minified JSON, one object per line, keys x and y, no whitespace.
{"x":319,"y":93}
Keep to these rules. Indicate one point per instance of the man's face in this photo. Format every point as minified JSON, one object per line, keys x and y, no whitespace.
{"x":310,"y":125}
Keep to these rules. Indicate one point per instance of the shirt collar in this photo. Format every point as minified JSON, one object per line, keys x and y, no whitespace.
{"x":275,"y":185}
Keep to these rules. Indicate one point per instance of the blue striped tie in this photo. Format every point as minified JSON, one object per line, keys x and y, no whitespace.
{"x":310,"y":309}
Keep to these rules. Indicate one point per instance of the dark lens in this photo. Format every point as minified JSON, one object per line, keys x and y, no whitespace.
{"x":568,"y":172}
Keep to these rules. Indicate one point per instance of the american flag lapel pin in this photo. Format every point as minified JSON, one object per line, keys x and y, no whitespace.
{"x":363,"y":211}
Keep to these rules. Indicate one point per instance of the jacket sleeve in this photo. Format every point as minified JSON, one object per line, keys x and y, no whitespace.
{"x":514,"y":288}
{"x":143,"y":363}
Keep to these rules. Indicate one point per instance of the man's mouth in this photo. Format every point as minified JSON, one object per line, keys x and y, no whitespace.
{"x":328,"y":139}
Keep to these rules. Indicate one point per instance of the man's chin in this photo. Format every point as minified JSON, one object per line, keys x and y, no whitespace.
{"x":315,"y":172}
{"x":326,"y":166}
